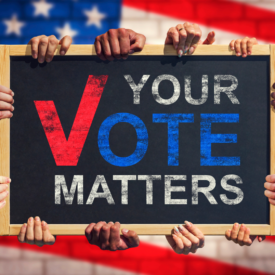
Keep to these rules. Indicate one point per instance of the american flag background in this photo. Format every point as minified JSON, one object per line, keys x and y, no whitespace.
{"x":20,"y":20}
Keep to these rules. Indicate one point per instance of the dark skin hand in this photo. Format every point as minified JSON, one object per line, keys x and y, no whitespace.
{"x":107,"y":236}
{"x":118,"y":43}
{"x":273,"y":96}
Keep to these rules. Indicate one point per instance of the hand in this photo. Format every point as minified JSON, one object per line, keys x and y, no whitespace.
{"x":6,"y":101}
{"x":241,"y":236}
{"x":118,"y":43}
{"x":107,"y":236}
{"x":4,"y":181}
{"x":186,"y":238}
{"x":243,"y":46}
{"x":44,"y":47}
{"x":270,"y":186}
{"x":186,"y":37}
{"x":36,"y":232}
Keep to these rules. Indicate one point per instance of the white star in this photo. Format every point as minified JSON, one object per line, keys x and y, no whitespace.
{"x":66,"y":31}
{"x":13,"y":25}
{"x":94,"y":17}
{"x":42,"y":7}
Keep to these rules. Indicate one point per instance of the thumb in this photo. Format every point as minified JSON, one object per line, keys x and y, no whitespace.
{"x":131,"y":237}
{"x":138,"y":44}
{"x":210,"y":39}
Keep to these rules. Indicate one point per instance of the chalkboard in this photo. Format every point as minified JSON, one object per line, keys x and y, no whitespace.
{"x":151,"y":140}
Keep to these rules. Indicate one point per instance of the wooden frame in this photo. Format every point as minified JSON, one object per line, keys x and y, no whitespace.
{"x":142,"y":229}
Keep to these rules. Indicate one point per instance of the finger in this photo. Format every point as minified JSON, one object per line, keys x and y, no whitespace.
{"x":96,"y":233}
{"x":4,"y":106}
{"x":228,"y":234}
{"x":115,"y":236}
{"x":98,"y":49}
{"x":104,"y":236}
{"x":88,"y":232}
{"x":4,"y":180}
{"x":30,"y":232}
{"x":174,"y":37}
{"x":42,"y":48}
{"x":124,"y":43}
{"x":196,"y":39}
{"x":114,"y":44}
{"x":194,"y":240}
{"x":238,"y":47}
{"x":210,"y":39}
{"x":48,"y":238}
{"x":34,"y":42}
{"x":65,"y":43}
{"x":234,"y":233}
{"x":269,"y":186}
{"x":232,"y":45}
{"x":271,"y":201}
{"x":5,"y":114}
{"x":241,"y":235}
{"x":269,"y":194}
{"x":131,"y":236}
{"x":186,"y":242}
{"x":190,"y":35}
{"x":196,"y":232}
{"x":138,"y":43}
{"x":38,"y":236}
{"x":6,"y":98}
{"x":270,"y":178}
{"x":105,"y":45}
{"x":261,"y":238}
{"x":250,"y":43}
{"x":273,"y":86}
{"x":244,"y":47}
{"x":178,"y":246}
{"x":182,"y":40}
{"x":22,"y":233}
{"x":3,"y":195}
{"x":2,"y":204}
{"x":52,"y":46}
{"x":272,"y":103}
{"x":246,"y":239}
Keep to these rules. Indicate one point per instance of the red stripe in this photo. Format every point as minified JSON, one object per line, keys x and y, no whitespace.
{"x":67,"y":153}
{"x":222,"y":14}
{"x":146,"y":259}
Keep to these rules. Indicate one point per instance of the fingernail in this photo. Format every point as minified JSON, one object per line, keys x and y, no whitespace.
{"x":125,"y":231}
{"x":48,"y":59}
{"x":131,"y":51}
{"x":236,"y":224}
{"x":187,"y":223}
{"x":242,"y":226}
{"x":8,"y":180}
{"x":41,"y":60}
{"x":191,"y":50}
{"x":62,"y":53}
{"x":180,"y":53}
{"x":249,"y":53}
{"x":12,"y":108}
{"x":43,"y":223}
{"x":185,"y":49}
{"x":4,"y":202}
{"x":232,"y":48}
{"x":30,"y":219}
{"x":7,"y":192}
{"x":34,"y":55}
{"x":6,"y":186}
{"x":244,"y":55}
{"x":37,"y":218}
{"x":12,"y":93}
{"x":182,"y":229}
{"x":176,"y":229}
{"x":25,"y":225}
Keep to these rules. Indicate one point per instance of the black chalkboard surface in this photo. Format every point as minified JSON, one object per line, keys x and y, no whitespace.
{"x":170,"y":140}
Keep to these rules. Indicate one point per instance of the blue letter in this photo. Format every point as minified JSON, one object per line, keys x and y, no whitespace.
{"x":173,"y":121}
{"x":207,"y":139}
{"x":103,"y":139}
